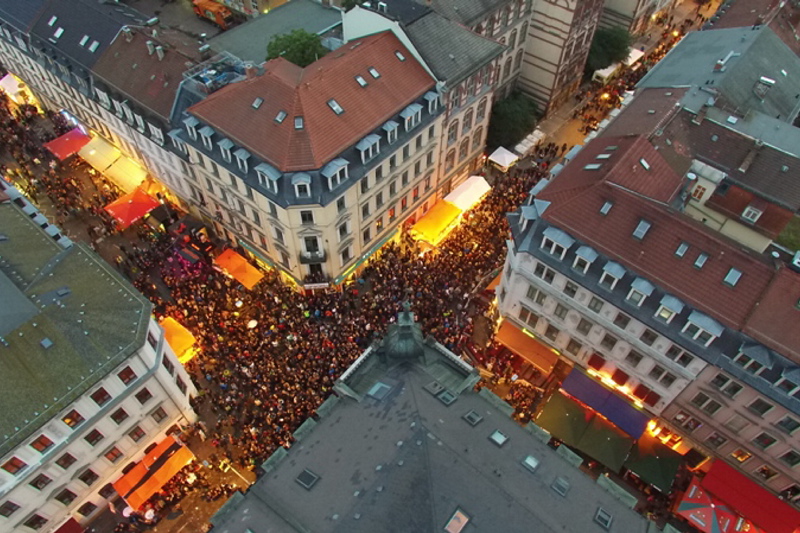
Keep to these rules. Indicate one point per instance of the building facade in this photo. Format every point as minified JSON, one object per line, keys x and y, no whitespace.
{"x":635,"y":16}
{"x":106,"y":385}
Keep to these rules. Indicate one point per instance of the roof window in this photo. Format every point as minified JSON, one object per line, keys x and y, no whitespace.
{"x":399,"y":56}
{"x":58,"y":33}
{"x":606,"y":208}
{"x":682,"y":249}
{"x":644,"y":164}
{"x":531,"y":463}
{"x":361,"y":81}
{"x":603,"y":156}
{"x":603,"y":518}
{"x":307,"y":479}
{"x":592,"y":166}
{"x":701,"y":260}
{"x":257,"y":103}
{"x":298,"y":123}
{"x":94,"y":45}
{"x":732,"y":277}
{"x":52,"y":20}
{"x":560,"y":486}
{"x":641,"y":230}
{"x":333,"y":104}
{"x":458,"y":521}
{"x":280,"y":116}
{"x":84,"y":40}
{"x":374,"y":73}
{"x":498,"y":438}
{"x":473,"y":418}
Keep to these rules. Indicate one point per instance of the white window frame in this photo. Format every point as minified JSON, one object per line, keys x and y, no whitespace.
{"x":414,"y":120}
{"x":790,"y":392}
{"x":118,"y":109}
{"x":665,"y":314}
{"x":391,"y":135}
{"x":748,"y":364}
{"x":371,"y":151}
{"x":156,"y":134}
{"x":752,"y":214}
{"x":348,"y":231}
{"x":207,"y":142}
{"x":103,"y":98}
{"x":192,"y":131}
{"x":613,"y":283}
{"x":577,"y":267}
{"x":139,"y":122}
{"x":553,"y":248}
{"x":433,"y":105}
{"x":630,"y":299}
{"x":698,"y":333}
{"x":298,"y":187}
{"x":336,"y":179}
{"x":226,"y":153}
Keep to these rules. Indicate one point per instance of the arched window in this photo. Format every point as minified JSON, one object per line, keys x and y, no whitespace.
{"x":450,"y":160}
{"x":507,"y":69}
{"x":463,"y":151}
{"x":518,"y":59}
{"x":467,"y":121}
{"x":524,"y":30}
{"x":452,"y":132}
{"x":512,"y":42}
{"x":477,"y":138}
{"x":482,"y":109}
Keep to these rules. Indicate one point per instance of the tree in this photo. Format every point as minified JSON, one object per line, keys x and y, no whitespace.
{"x":512,"y":119}
{"x":300,"y":47}
{"x":347,"y":5}
{"x":608,"y":46}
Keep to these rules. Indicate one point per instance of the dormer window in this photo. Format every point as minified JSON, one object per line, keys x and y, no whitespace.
{"x":190,"y":123}
{"x":412,"y":115}
{"x":302,"y":185}
{"x":640,"y":289}
{"x":751,"y":214}
{"x":225,"y":146}
{"x":668,"y":308}
{"x":702,"y":328}
{"x":369,"y":146}
{"x":334,"y":105}
{"x":268,"y":177}
{"x":433,"y":101}
{"x":584,"y":256}
{"x":206,"y":132}
{"x":242,"y":156}
{"x":612,"y":273}
{"x":391,"y":131}
{"x":102,"y":96}
{"x":335,"y":172}
{"x":556,"y":242}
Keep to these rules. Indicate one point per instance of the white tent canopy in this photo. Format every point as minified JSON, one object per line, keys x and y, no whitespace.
{"x":469,"y":193}
{"x":503,"y":157}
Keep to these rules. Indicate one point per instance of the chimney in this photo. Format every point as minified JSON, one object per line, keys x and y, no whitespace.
{"x":719,"y":66}
{"x":160,"y":52}
{"x":126,"y":31}
{"x":151,"y":47}
{"x":205,"y":51}
{"x":250,"y":70}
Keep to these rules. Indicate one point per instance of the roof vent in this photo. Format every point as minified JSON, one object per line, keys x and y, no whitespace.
{"x":307,"y":479}
{"x":46,"y":343}
{"x":447,"y":397}
{"x":151,"y":47}
{"x":560,"y":486}
{"x":473,"y":418}
{"x":434,"y":388}
{"x":64,"y":291}
{"x":498,"y":437}
{"x":382,"y":7}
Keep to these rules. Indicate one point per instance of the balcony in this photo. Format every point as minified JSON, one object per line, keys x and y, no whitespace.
{"x":307,"y":258}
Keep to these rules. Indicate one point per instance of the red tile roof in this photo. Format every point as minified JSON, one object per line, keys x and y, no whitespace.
{"x":646,"y":113}
{"x":735,"y":200}
{"x":774,"y":320}
{"x":784,"y":21}
{"x":128,"y":67}
{"x":306,"y":92}
{"x":577,"y":196}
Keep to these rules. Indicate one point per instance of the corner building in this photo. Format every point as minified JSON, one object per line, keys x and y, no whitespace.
{"x":88,"y":381}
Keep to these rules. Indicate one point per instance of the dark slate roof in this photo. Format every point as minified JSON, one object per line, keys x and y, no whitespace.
{"x":467,"y":12}
{"x":21,"y":14}
{"x":402,"y":460}
{"x":36,"y":382}
{"x":405,"y":11}
{"x":249,"y":41}
{"x":450,"y":50}
{"x":78,"y":18}
{"x":751,"y":54}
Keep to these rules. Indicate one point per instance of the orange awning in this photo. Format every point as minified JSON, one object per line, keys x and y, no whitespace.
{"x":526,"y":347}
{"x":495,"y":282}
{"x":153,"y":471}
{"x":436,"y":223}
{"x":237,"y":267}
{"x":179,"y":338}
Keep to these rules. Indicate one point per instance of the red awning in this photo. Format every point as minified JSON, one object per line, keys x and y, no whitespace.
{"x":68,"y":144}
{"x":152,"y":472}
{"x":750,"y":500}
{"x":131,"y":207}
{"x":70,"y":526}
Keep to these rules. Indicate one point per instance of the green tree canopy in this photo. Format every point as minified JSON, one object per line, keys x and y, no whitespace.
{"x":347,"y":5}
{"x":608,"y":46}
{"x":300,"y":47}
{"x":512,"y":119}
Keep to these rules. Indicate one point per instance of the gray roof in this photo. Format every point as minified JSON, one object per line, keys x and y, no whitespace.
{"x":451,"y":50}
{"x":402,"y":460}
{"x":467,"y":12}
{"x":78,"y":18}
{"x":61,"y":295}
{"x":249,"y":41}
{"x":751,"y":55}
{"x":21,"y":15}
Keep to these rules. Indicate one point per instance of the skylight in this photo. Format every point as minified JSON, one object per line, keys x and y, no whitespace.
{"x":298,"y":123}
{"x":361,"y":81}
{"x":307,"y":479}
{"x":333,"y":104}
{"x":84,"y":40}
{"x":374,"y":73}
{"x":399,"y":56}
{"x":606,"y":208}
{"x":531,"y":463}
{"x":457,"y":522}
{"x":498,"y":438}
{"x":257,"y":103}
{"x":94,"y":45}
{"x":603,"y":156}
{"x":603,"y":518}
{"x":560,"y":486}
{"x":52,"y":20}
{"x":641,"y":230}
{"x":58,"y":33}
{"x":592,"y":166}
{"x":682,"y":248}
{"x":473,"y":418}
{"x":644,"y":164}
{"x":701,"y":260}
{"x":280,"y":116}
{"x":732,"y":277}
